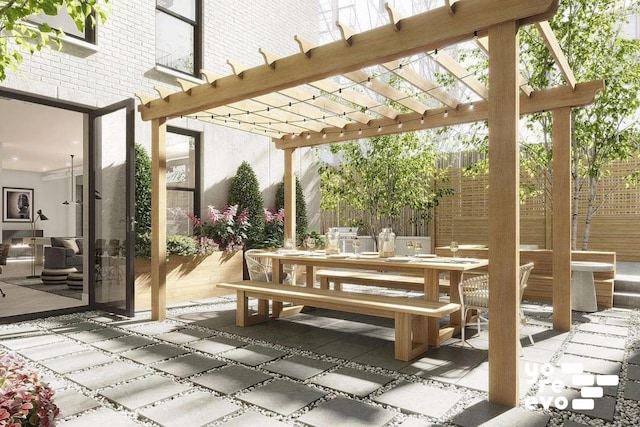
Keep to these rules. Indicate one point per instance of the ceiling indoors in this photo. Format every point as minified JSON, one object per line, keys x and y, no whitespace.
{"x":39,"y":138}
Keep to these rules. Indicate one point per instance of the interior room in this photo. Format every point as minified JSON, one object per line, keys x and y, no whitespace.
{"x":42,"y":151}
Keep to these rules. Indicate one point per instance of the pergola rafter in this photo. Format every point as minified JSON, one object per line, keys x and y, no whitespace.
{"x":319,"y":110}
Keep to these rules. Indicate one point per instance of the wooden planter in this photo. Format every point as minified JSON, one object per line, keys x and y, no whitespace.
{"x":189,"y":277}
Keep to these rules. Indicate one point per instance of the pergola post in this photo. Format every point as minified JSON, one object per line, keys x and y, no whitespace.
{"x":289,"y":194}
{"x":562,"y":219}
{"x":504,"y":214}
{"x":158,"y":218}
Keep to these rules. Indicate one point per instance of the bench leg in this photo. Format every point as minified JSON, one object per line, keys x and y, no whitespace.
{"x":324,"y":283}
{"x":411,"y":336}
{"x":243,"y":317}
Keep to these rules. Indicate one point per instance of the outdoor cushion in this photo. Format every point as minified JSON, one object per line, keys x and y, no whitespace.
{"x":71,"y":244}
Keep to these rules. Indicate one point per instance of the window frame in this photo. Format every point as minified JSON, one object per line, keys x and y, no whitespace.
{"x":90,"y":30}
{"x":197,"y":37}
{"x":197,"y":150}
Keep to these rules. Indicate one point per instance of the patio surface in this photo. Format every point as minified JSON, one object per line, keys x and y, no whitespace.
{"x":318,"y":368}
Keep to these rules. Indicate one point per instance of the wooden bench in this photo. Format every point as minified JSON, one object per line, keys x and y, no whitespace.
{"x":373,"y":278}
{"x":410,"y":314}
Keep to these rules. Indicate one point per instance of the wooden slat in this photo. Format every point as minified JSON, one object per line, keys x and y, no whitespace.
{"x":556,"y":52}
{"x":467,"y":78}
{"x":159,"y":219}
{"x":483,"y":44}
{"x":431,"y":30}
{"x":428,"y":87}
{"x":350,"y":95}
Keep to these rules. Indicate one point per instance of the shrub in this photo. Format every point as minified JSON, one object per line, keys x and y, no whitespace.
{"x":142,"y":200}
{"x":273,"y":229}
{"x":227,"y":229}
{"x":24,"y":399}
{"x":301,"y":208}
{"x":244,"y":192}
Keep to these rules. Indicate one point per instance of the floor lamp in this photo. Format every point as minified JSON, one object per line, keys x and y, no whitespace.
{"x":39,"y":216}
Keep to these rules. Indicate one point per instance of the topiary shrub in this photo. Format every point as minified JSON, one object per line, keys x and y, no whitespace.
{"x":244,"y":191}
{"x":142,"y":183}
{"x":178,"y":244}
{"x":301,"y":208}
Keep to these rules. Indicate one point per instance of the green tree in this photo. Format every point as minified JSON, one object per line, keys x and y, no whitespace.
{"x":18,"y":37}
{"x":245,"y":192}
{"x":591,"y":33}
{"x":142,"y":200}
{"x":301,"y":207}
{"x":382,"y":176}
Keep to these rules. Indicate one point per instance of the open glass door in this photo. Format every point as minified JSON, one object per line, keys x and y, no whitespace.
{"x":111,"y":231}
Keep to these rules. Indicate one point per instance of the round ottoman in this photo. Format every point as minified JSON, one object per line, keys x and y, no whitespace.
{"x":56,"y":276}
{"x":74,"y":280}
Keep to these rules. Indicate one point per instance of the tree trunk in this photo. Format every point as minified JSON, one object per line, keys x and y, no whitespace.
{"x":575,"y":176}
{"x":593,"y":191}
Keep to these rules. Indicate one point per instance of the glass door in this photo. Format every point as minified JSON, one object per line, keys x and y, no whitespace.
{"x":111,"y":232}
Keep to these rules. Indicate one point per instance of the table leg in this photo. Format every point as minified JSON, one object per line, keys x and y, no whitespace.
{"x":454,"y":294}
{"x":583,"y":291}
{"x":432,"y":293}
{"x":311,"y":276}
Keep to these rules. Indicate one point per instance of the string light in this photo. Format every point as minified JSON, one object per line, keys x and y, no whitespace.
{"x":422,"y":120}
{"x":446,"y":113}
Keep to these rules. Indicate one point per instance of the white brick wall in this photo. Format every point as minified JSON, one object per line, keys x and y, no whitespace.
{"x":124,"y":65}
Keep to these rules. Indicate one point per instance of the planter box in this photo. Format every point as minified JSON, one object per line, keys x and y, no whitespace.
{"x":189,"y":277}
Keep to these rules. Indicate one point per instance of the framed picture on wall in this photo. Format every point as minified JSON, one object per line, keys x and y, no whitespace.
{"x":17,"y":204}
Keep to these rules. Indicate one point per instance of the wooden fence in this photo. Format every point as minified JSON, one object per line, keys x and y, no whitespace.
{"x":464,"y":216}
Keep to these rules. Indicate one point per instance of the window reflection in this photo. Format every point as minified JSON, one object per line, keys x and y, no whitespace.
{"x":177,"y":35}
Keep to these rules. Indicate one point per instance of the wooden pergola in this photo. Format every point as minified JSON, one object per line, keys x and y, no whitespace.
{"x":325,"y":94}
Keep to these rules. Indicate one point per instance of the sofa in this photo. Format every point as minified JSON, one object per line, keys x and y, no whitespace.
{"x":64,"y":252}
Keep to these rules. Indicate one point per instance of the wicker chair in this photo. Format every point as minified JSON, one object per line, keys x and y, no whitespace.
{"x":474,"y":295}
{"x":260,"y":268}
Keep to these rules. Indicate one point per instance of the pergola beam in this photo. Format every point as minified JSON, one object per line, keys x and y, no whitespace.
{"x":428,"y":31}
{"x":558,"y":55}
{"x":543,"y":100}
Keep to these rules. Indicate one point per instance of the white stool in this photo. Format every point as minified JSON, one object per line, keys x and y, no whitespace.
{"x":583,"y":289}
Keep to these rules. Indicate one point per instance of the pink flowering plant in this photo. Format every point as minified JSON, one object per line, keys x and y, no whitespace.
{"x":24,"y":399}
{"x":273,"y":228}
{"x":226,"y":228}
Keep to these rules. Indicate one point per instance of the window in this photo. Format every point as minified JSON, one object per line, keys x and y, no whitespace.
{"x":183,"y":179}
{"x":178,"y":35}
{"x":63,"y":21}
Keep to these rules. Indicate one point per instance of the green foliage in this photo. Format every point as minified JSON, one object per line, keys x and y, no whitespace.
{"x":273,"y":229}
{"x":227,"y":229}
{"x":591,"y":35}
{"x":29,"y":38}
{"x":142,"y":185}
{"x":301,"y":207}
{"x":382,"y":176}
{"x":178,"y":244}
{"x":244,"y":191}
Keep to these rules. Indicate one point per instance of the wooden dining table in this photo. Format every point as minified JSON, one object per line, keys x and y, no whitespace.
{"x":429,"y":268}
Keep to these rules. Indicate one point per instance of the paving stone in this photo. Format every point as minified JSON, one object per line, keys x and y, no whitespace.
{"x":153,"y":353}
{"x":49,"y":351}
{"x":346,"y":412}
{"x":484,"y":413}
{"x":417,"y":422}
{"x":613,"y":354}
{"x":633,"y":372}
{"x":153,"y":328}
{"x":597,"y":366}
{"x":191,"y":364}
{"x":411,"y":397}
{"x":252,"y":418}
{"x":32,"y":341}
{"x":144,"y":391}
{"x":118,"y":345}
{"x":312,"y":339}
{"x":569,"y":423}
{"x":353,"y":381}
{"x":76,"y":327}
{"x":96,"y":335}
{"x":184,"y":336}
{"x":54,"y":322}
{"x":343,"y":349}
{"x":231,"y":379}
{"x":383,"y":357}
{"x":283,"y":397}
{"x":253,"y":355}
{"x":600,"y":340}
{"x":604,"y":329}
{"x":634,"y":356}
{"x":216,"y":345}
{"x":17,"y":331}
{"x":107,"y":375}
{"x":75,"y":362}
{"x":632,"y":390}
{"x":72,"y":402}
{"x":195,"y":409}
{"x":299,"y":367}
{"x":100,"y":417}
{"x":619,"y":322}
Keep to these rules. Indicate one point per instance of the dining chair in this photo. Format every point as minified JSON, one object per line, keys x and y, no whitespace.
{"x":474,"y":295}
{"x":260,"y":268}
